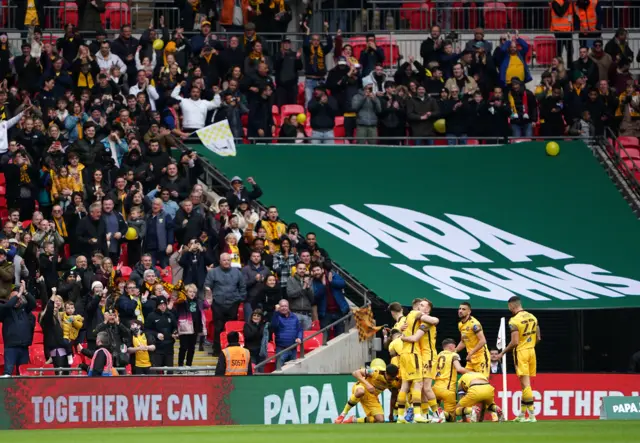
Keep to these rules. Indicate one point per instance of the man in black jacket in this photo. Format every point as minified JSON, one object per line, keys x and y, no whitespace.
{"x":323,"y":110}
{"x":253,"y":84}
{"x":115,"y":228}
{"x":88,"y":147}
{"x":287,"y":65}
{"x":22,"y":189}
{"x":17,"y":328}
{"x":239,"y":192}
{"x":261,"y":122}
{"x":431,"y":48}
{"x":163,"y":326}
{"x":177,"y":186}
{"x":28,"y":69}
{"x":233,"y":55}
{"x":91,"y":232}
{"x":125,"y":47}
{"x":118,"y":335}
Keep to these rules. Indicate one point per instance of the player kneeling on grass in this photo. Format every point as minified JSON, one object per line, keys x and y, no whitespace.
{"x":372,"y":382}
{"x":447,"y":369}
{"x":476,"y":389}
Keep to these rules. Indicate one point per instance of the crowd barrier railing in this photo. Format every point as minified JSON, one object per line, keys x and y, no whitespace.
{"x":492,"y":16}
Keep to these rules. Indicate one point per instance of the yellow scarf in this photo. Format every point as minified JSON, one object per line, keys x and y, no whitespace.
{"x":253,"y":39}
{"x":32,"y":230}
{"x":317,"y":56}
{"x":255,"y":55}
{"x":525,"y":104}
{"x":85,"y":80}
{"x":279,"y":3}
{"x":61,"y":227}
{"x":24,"y":176}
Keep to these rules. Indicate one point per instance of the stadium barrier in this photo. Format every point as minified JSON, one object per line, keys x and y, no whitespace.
{"x":83,"y":402}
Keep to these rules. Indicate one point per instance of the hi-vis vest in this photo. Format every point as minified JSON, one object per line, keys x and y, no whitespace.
{"x":238,"y":360}
{"x":562,"y":23}
{"x":108,"y":370}
{"x":588,"y":19}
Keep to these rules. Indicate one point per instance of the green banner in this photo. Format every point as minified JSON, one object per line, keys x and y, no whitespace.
{"x":478,"y":223}
{"x":621,"y":408}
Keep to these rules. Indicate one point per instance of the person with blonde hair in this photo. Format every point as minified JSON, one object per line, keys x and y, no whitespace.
{"x":52,"y":331}
{"x":191,"y":324}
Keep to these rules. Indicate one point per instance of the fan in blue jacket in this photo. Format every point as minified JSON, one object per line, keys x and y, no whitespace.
{"x":510,"y":49}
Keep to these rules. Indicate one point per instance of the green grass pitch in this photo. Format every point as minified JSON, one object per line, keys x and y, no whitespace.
{"x":541,"y":432}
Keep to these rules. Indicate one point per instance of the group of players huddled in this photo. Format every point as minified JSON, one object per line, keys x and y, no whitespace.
{"x":421,"y":379}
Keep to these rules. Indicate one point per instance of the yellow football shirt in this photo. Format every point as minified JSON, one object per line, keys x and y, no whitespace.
{"x":400,"y":322}
{"x":466,"y":379}
{"x":469,"y":332}
{"x":142,"y":357}
{"x":378,"y":380}
{"x":446,"y":373}
{"x":527,"y":326}
{"x":428,"y":340}
{"x":413,"y":323}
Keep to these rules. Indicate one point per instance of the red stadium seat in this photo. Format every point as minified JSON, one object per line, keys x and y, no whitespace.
{"x":545,"y":49}
{"x":271,"y":349}
{"x":276,"y":116}
{"x":473,"y":142}
{"x":315,"y":325}
{"x":117,"y":13}
{"x":1,"y":338}
{"x":234,"y":325}
{"x":529,"y":54}
{"x":224,"y":342}
{"x":36,"y":355}
{"x":312,"y":343}
{"x":416,"y":14}
{"x":630,"y":153}
{"x":68,"y":13}
{"x":241,"y":312}
{"x":3,"y":181}
{"x":301,"y":96}
{"x":495,"y":16}
{"x":3,"y":190}
{"x":167,"y":274}
{"x":126,"y":272}
{"x":627,"y":141}
{"x":124,"y":255}
{"x":288,"y":110}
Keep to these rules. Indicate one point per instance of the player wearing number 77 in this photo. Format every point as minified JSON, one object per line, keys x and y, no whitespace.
{"x":525,"y":333}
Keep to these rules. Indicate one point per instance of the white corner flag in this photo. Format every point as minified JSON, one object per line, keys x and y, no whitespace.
{"x":501,"y":344}
{"x":218,"y":138}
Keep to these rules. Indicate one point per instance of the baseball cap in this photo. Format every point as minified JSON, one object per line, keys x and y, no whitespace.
{"x":342,"y":60}
{"x":161,"y":300}
{"x":236,"y":179}
{"x":205,"y":23}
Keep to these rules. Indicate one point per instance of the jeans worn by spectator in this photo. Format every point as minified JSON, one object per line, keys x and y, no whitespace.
{"x":248,"y":311}
{"x":14,"y":358}
{"x":329,"y":318}
{"x":305,"y":320}
{"x":287,"y":356}
{"x":523,"y":130}
{"x":322,"y":137}
{"x":453,"y":140}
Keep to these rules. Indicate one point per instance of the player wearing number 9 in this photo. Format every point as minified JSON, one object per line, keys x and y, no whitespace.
{"x":525,"y":333}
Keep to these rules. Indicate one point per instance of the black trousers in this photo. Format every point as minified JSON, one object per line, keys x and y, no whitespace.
{"x":162,"y":357}
{"x":221,"y":315}
{"x":565,"y":39}
{"x":350,"y":124}
{"x":187,"y":349}
{"x":140,"y":371}
{"x":287,"y":95}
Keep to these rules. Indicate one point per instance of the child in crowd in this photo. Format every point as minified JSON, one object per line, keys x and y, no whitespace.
{"x":63,"y":185}
{"x":71,"y":325}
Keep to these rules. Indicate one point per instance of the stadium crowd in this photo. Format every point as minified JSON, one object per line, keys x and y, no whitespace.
{"x":105,"y":227}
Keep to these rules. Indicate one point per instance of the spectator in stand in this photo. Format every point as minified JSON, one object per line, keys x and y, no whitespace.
{"x":629,"y":111}
{"x":194,"y":261}
{"x":188,"y":224}
{"x":454,"y":111}
{"x":125,"y":47}
{"x":465,"y":84}
{"x":159,"y":234}
{"x":431,"y":48}
{"x":524,"y":109}
{"x":422,"y":112}
{"x":610,"y":100}
{"x":344,"y":82}
{"x":115,"y":228}
{"x":194,"y":110}
{"x":618,"y":46}
{"x":275,"y":228}
{"x":328,"y":290}
{"x":448,"y":58}
{"x":553,"y":114}
{"x":178,"y":186}
{"x":287,"y":65}
{"x":17,"y":328}
{"x":253,"y":334}
{"x":514,"y":64}
{"x":483,"y":69}
{"x":163,"y":326}
{"x":283,"y":261}
{"x":300,"y":295}
{"x":598,"y":111}
{"x":315,"y":58}
{"x":367,"y":106}
{"x":478,"y":37}
{"x":602,"y":60}
{"x":140,"y":349}
{"x":227,"y":286}
{"x":91,"y":232}
{"x":576,"y":97}
{"x":239,"y":356}
{"x":130,"y":305}
{"x":586,"y":66}
{"x":392,"y":117}
{"x":52,"y":331}
{"x":191,"y":324}
{"x":287,"y":330}
{"x":261,"y":124}
{"x":323,"y":110}
{"x":89,"y":18}
{"x":21,"y":181}
{"x":106,"y":58}
{"x":620,"y":76}
{"x":371,"y":56}
{"x":583,"y":127}
{"x":254,"y":272}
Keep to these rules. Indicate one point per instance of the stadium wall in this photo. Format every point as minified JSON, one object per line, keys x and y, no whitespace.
{"x":74,"y":402}
{"x":344,"y":353}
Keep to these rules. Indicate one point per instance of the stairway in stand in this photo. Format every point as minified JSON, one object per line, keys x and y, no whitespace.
{"x":201,"y":358}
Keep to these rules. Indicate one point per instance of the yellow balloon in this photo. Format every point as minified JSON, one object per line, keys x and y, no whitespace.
{"x":439,"y":126}
{"x":553,"y":149}
{"x":302,"y":118}
{"x":131,"y":234}
{"x":158,"y":44}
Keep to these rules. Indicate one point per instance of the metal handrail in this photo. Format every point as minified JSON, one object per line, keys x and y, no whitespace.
{"x":302,"y":342}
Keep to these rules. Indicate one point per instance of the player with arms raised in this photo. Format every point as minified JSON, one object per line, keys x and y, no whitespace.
{"x":525,"y":333}
{"x":446,"y":373}
{"x":472,"y":338}
{"x":425,"y":336}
